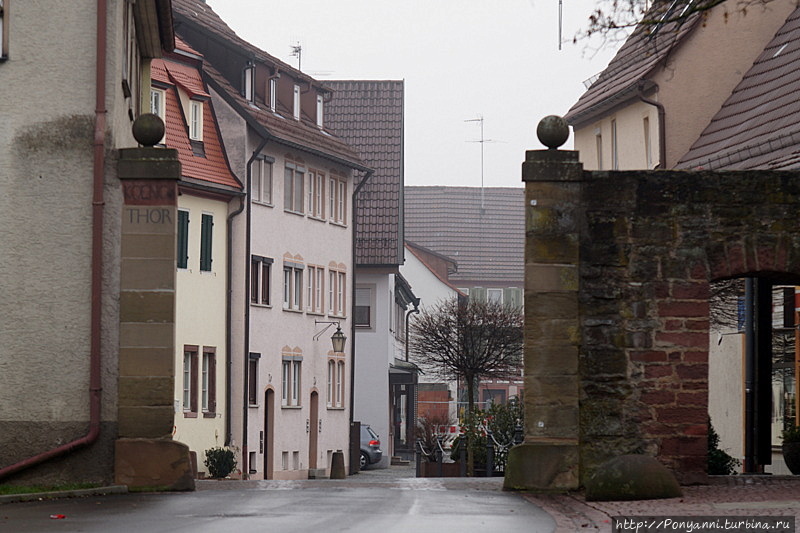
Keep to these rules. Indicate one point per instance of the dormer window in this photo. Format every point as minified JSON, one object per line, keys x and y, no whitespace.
{"x":196,"y":120}
{"x":273,"y":94}
{"x":296,"y":106}
{"x":158,"y":98}
{"x":248,"y":79}
{"x":320,"y":110}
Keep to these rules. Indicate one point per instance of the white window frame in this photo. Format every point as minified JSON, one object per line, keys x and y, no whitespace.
{"x":158,"y":106}
{"x":331,"y":377}
{"x":196,"y":120}
{"x":648,"y":154}
{"x":291,"y":374}
{"x":494,"y":295}
{"x":248,"y":81}
{"x":292,"y":287}
{"x":273,"y":94}
{"x":337,"y":200}
{"x":320,"y":112}
{"x":598,"y":141}
{"x":340,"y":384}
{"x":614,"y":146}
{"x":293,"y":184}
{"x":296,"y":102}
{"x":262,"y":181}
{"x":337,"y":292}
{"x":314,"y":289}
{"x":363,"y":300}
{"x":187,"y":381}
{"x":315,"y":194}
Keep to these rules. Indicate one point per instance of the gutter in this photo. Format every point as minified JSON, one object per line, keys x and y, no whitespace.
{"x":245,"y":373}
{"x":662,"y":126}
{"x":98,"y":202}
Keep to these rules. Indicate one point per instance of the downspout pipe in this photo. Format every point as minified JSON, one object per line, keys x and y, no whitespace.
{"x":662,"y":125}
{"x":98,"y":202}
{"x":353,"y":260}
{"x":408,"y":315}
{"x":248,"y":232}
{"x":229,"y":322}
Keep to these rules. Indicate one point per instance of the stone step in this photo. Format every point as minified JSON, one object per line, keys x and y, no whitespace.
{"x":399,"y":461}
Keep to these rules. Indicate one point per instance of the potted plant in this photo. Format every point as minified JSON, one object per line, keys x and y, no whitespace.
{"x":791,"y":448}
{"x":220,"y":462}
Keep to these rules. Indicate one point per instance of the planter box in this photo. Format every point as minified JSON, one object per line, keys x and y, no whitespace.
{"x":448,"y":470}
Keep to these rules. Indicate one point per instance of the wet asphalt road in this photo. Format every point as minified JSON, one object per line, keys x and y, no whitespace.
{"x":375,"y":501}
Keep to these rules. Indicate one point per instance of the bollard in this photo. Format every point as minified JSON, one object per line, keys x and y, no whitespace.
{"x":337,"y":465}
{"x":489,"y":454}
{"x":462,"y":457}
{"x":518,"y":433}
{"x":439,"y":456}
{"x":418,"y":455}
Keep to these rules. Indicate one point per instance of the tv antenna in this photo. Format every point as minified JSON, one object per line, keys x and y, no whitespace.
{"x":483,"y":141}
{"x":297,"y":51}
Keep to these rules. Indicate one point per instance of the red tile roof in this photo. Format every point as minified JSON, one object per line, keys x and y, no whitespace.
{"x":758,"y":127}
{"x":212,"y":168}
{"x":488,"y":246}
{"x":369,"y":116}
{"x":647,"y":46}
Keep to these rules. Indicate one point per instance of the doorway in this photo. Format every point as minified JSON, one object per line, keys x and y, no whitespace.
{"x":268,"y":443}
{"x":313,"y":431}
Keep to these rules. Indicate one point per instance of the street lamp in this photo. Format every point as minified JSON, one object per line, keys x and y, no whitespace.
{"x":337,"y":339}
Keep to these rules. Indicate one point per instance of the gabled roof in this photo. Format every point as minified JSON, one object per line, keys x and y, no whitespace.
{"x":369,"y":116}
{"x":648,"y":45}
{"x":758,"y":127}
{"x":424,"y":256}
{"x":272,"y":125}
{"x":488,"y":244}
{"x":213,"y":167}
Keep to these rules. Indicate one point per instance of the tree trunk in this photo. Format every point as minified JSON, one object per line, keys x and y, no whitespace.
{"x":471,"y":418}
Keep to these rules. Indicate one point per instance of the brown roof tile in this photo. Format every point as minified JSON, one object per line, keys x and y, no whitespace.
{"x":488,"y":246}
{"x":280,"y":128}
{"x":643,"y":50}
{"x":213,"y":167}
{"x":369,"y":116}
{"x":759,"y":125}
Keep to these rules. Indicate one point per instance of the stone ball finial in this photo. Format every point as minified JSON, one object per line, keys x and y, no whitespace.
{"x":553,"y":131}
{"x":148,"y":129}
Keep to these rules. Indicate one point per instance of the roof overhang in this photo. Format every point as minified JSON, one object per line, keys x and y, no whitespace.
{"x":619,"y":98}
{"x":154,"y":31}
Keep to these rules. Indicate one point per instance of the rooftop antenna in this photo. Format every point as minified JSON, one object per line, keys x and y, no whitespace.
{"x":297,"y":51}
{"x":560,"y":21}
{"x":482,"y":141}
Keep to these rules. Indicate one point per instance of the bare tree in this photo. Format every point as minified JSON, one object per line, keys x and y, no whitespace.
{"x":611,"y":16}
{"x":468,"y":341}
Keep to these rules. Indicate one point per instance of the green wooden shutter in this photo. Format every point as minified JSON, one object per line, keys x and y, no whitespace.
{"x":477,"y":294}
{"x":206,"y":232}
{"x":183,"y":239}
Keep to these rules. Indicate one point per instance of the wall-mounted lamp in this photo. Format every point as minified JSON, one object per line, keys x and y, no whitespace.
{"x":338,"y":339}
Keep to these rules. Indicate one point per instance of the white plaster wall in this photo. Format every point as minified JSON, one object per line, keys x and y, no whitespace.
{"x":201,"y":320}
{"x":725,"y":391}
{"x":373,"y":355}
{"x":46,"y":133}
{"x":631,"y":146}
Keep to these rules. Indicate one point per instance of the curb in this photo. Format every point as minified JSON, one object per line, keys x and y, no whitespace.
{"x":36,"y":496}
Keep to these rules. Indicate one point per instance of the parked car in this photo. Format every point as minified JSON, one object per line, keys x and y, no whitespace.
{"x":370,"y":446}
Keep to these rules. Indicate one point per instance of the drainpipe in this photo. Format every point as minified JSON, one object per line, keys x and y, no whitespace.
{"x":662,"y":126}
{"x":354,"y":203}
{"x":95,"y":384}
{"x":228,"y":322}
{"x":246,"y":403}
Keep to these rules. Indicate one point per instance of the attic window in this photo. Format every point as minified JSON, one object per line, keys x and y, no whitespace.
{"x":248,"y":75}
{"x":320,"y":111}
{"x":296,"y":106}
{"x":781,"y":49}
{"x":196,"y":120}
{"x":273,"y":94}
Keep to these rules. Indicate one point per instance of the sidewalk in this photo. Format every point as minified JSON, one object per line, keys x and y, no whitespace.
{"x":724,"y":496}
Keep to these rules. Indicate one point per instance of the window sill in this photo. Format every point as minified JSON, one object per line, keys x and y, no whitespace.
{"x":289,"y":310}
{"x":291,"y":406}
{"x":209,"y":414}
{"x":333,"y":408}
{"x":318,"y":219}
{"x":189,"y":414}
{"x":253,"y":406}
{"x":315,"y":313}
{"x":298,"y":213}
{"x":265,"y":306}
{"x":340,"y":224}
{"x":265,"y":204}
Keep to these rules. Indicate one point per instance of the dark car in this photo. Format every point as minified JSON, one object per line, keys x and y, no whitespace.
{"x":370,"y":446}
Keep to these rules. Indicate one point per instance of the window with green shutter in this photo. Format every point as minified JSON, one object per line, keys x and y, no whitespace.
{"x":183,"y":239}
{"x":206,"y":231}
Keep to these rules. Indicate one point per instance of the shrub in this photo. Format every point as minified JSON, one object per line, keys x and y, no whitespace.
{"x":790,"y":433}
{"x":220,"y":461}
{"x":720,"y":463}
{"x":501,"y":420}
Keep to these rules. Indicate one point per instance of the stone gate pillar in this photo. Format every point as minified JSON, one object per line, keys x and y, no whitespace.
{"x":145,"y":454}
{"x":548,"y":459}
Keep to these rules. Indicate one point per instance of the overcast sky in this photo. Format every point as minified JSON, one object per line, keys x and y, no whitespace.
{"x":460,"y":59}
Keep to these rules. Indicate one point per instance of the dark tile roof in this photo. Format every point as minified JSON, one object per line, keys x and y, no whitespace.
{"x":488,"y":246}
{"x":213,"y":166}
{"x":369,"y":116}
{"x":758,"y":127}
{"x":648,"y":45}
{"x":279,"y":128}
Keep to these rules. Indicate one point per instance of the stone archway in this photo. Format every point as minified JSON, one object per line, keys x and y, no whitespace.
{"x":618,"y":266}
